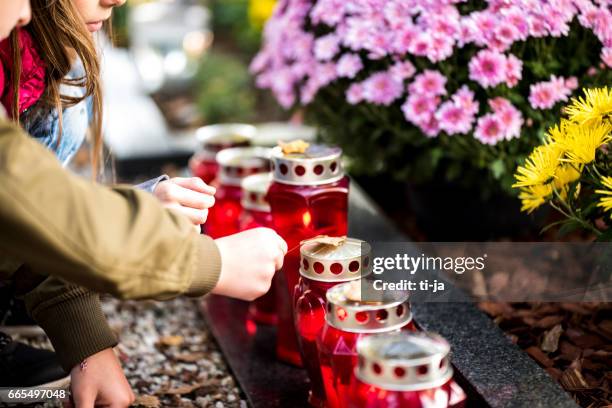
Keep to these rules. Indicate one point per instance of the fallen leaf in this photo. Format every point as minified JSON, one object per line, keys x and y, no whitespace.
{"x":171,"y":340}
{"x":182,"y":390}
{"x":297,"y":146}
{"x":148,"y":401}
{"x":190,"y":357}
{"x":550,"y":343}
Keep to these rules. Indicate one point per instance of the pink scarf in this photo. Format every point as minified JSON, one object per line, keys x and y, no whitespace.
{"x":32,"y":79}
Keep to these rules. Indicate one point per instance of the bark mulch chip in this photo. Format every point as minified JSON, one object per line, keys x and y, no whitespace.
{"x":571,"y":341}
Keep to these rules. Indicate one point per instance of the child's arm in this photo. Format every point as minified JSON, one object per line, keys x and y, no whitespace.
{"x":118,"y":241}
{"x":73,"y":320}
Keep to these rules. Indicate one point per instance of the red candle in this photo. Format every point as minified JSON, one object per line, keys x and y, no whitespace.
{"x":404,"y":370}
{"x":348,"y":319}
{"x":213,"y":139}
{"x":322,"y":267}
{"x":308,"y":197}
{"x":236,"y":164}
{"x":256,"y":213}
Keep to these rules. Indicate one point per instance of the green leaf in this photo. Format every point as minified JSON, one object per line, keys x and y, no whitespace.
{"x":568,"y":227}
{"x":498,"y":168}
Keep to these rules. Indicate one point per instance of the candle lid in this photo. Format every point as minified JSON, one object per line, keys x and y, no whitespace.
{"x":318,"y":164}
{"x":403,"y":361}
{"x":238,"y":162}
{"x":254,"y":190}
{"x":346,"y":310}
{"x":214,"y":138}
{"x":326,"y":260}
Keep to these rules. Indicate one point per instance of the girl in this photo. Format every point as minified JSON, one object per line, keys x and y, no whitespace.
{"x":52,"y":88}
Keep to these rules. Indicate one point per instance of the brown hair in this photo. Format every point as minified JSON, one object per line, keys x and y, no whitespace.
{"x":61,"y":36}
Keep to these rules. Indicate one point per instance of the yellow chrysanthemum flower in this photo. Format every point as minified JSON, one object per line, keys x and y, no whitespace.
{"x":534,"y":196}
{"x":565,"y":175}
{"x":581,"y":142}
{"x":606,"y":201}
{"x":592,"y":109}
{"x":260,"y":11}
{"x":540,"y":166}
{"x":558,"y":132}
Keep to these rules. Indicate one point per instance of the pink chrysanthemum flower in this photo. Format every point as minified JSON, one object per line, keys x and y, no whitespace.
{"x":354,"y":94}
{"x":510,"y":117}
{"x":489,"y":129}
{"x":430,"y":127}
{"x":464,"y":98}
{"x":453,"y":119}
{"x":519,"y":20}
{"x":488,"y":68}
{"x":382,"y":88}
{"x":349,"y":65}
{"x":514,"y":70}
{"x":326,"y":47}
{"x":544,"y":95}
{"x":402,"y":70}
{"x":505,"y":34}
{"x":571,"y":83}
{"x":606,"y":56}
{"x":430,"y":82}
{"x":419,"y":109}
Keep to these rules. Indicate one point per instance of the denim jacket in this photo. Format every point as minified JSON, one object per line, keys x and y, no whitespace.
{"x":43,"y":125}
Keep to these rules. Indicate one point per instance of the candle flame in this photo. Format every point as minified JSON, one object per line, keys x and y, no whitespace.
{"x":306,"y":218}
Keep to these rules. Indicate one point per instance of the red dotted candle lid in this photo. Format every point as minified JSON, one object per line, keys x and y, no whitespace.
{"x":318,"y":164}
{"x":254,"y":191}
{"x":347,"y":311}
{"x":402,"y":361}
{"x":339,"y":261}
{"x":239,"y":162}
{"x":214,"y":138}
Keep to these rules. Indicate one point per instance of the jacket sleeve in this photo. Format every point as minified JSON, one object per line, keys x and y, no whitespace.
{"x":119,"y":241}
{"x":72,"y":318}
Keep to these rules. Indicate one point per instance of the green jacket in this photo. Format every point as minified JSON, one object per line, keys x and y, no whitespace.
{"x":118,"y":241}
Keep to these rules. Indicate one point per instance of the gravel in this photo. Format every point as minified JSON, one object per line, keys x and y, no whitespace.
{"x":168,"y":355}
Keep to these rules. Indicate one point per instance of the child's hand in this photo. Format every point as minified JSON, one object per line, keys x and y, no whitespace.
{"x":101,"y":382}
{"x":190,"y":196}
{"x":248,"y":262}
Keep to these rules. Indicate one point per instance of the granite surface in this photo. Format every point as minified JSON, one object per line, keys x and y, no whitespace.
{"x":493,"y":371}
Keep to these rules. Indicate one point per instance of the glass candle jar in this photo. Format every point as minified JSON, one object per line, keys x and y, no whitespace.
{"x":256,"y":213}
{"x":404,"y":370}
{"x":348,"y":319}
{"x":308,"y":197}
{"x":235,"y":164}
{"x":213,"y":139}
{"x":322,"y":267}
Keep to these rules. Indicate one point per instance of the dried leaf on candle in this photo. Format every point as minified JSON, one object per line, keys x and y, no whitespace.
{"x":353,"y":291}
{"x":325,"y":240}
{"x":294,"y":147}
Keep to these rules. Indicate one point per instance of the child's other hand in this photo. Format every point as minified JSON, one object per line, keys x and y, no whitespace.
{"x":101,"y":383}
{"x":190,"y":196}
{"x":248,"y":262}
